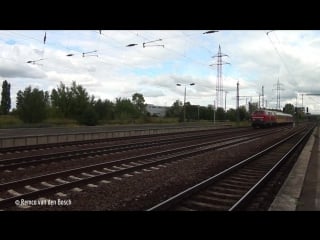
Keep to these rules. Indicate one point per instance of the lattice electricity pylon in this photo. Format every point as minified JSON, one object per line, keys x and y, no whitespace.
{"x":278,"y":88}
{"x":219,"y":86}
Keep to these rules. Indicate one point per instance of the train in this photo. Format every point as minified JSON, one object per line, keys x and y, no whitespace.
{"x":268,"y":118}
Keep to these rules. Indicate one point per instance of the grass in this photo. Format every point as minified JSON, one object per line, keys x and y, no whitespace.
{"x":241,"y":124}
{"x":147,"y":120}
{"x":7,"y":121}
{"x":10,"y":121}
{"x":61,"y":122}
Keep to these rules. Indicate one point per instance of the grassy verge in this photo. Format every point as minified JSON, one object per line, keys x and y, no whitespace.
{"x":9,"y":121}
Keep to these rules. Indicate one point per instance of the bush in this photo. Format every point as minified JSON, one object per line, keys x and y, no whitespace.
{"x":89,"y":117}
{"x":62,"y":122}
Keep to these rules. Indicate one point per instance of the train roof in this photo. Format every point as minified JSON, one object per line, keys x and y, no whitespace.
{"x":275,"y":112}
{"x":282,"y":114}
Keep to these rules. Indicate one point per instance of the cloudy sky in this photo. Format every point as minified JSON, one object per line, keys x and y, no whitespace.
{"x":156,"y":61}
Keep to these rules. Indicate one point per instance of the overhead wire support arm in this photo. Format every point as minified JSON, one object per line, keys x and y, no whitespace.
{"x":213,"y":64}
{"x":90,"y":55}
{"x":312,"y":94}
{"x":210,"y":31}
{"x":132,"y":45}
{"x":269,"y":32}
{"x":220,"y":55}
{"x":144,"y":44}
{"x":35,"y":61}
{"x":84,"y":54}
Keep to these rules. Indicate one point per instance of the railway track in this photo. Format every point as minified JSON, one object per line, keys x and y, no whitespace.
{"x":233,"y":188}
{"x":40,"y":186}
{"x":25,"y":161}
{"x":84,"y":143}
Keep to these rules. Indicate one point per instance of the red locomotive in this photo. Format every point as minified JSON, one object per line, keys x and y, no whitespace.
{"x":268,"y":118}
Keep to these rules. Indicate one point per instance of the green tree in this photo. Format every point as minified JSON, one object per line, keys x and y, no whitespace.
{"x":192,"y":112}
{"x":220,"y":114}
{"x":138,"y":101}
{"x":206,"y":113}
{"x":79,"y":99}
{"x":61,"y":100}
{"x":288,"y":108}
{"x":125,"y":110}
{"x":176,"y":110}
{"x":32,"y":105}
{"x":89,"y":117}
{"x":231,"y":114}
{"x":243,"y":114}
{"x":72,"y":102}
{"x":5,"y":98}
{"x":104,"y":110}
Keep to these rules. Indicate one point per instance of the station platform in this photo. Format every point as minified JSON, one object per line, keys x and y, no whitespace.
{"x":301,"y":190}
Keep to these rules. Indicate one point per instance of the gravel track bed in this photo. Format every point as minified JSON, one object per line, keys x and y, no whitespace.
{"x":76,"y":147}
{"x":142,"y":191}
{"x":43,"y":168}
{"x":105,"y":143}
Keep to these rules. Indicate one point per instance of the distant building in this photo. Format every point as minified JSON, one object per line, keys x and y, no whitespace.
{"x":156,"y":110}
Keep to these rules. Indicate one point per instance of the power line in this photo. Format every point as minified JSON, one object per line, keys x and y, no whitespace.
{"x":280,"y":56}
{"x":174,"y":51}
{"x":117,"y":45}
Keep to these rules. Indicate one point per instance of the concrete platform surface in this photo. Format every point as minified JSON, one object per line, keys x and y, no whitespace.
{"x":301,"y":190}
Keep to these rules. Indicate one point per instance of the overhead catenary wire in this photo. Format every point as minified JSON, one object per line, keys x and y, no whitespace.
{"x":290,"y":72}
{"x":123,"y":48}
{"x":34,"y":61}
{"x":148,"y":39}
{"x":277,"y":51}
{"x":103,"y":60}
{"x":45,"y":39}
{"x":106,"y":41}
{"x":207,"y":49}
{"x":183,"y":55}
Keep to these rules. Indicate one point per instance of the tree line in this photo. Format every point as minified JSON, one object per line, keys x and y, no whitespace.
{"x":209,"y":113}
{"x":34,"y":105}
{"x":74,"y":102}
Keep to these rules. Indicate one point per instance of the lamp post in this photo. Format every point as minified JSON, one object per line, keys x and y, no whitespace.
{"x":214,"y":112}
{"x":184,"y":100}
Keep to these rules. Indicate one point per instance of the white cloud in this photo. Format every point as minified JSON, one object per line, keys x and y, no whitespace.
{"x":256,"y":60}
{"x":16,"y":70}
